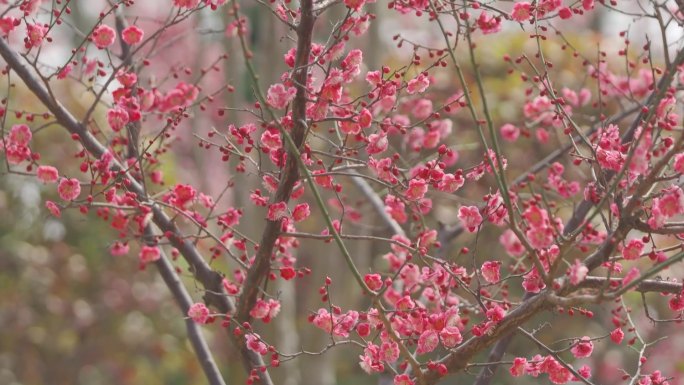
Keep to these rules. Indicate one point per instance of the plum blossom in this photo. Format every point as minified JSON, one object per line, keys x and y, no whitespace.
{"x":518,"y":367}
{"x":427,"y":342}
{"x":418,"y":84}
{"x":577,"y":272}
{"x":149,"y":254}
{"x":35,"y":33}
{"x":373,"y":281}
{"x":301,"y":212}
{"x":277,"y":211}
{"x":511,"y":243}
{"x":104,"y":36}
{"x":69,"y":189}
{"x":633,"y":249}
{"x":47,"y":174}
{"x":509,"y":132}
{"x":265,"y":310}
{"x":416,"y":190}
{"x":488,"y":24}
{"x":279,"y":96}
{"x":470,"y":216}
{"x":254,"y":344}
{"x":20,"y":135}
{"x":53,"y":209}
{"x":403,"y":379}
{"x":132,"y":35}
{"x":617,"y":335}
{"x":521,"y":11}
{"x":7,"y":24}
{"x":117,"y":118}
{"x":490,"y":271}
{"x":118,"y":249}
{"x":199,"y":313}
{"x":583,"y":348}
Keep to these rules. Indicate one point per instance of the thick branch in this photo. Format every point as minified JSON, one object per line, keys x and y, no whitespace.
{"x":648,"y":285}
{"x":290,"y":174}
{"x":184,"y":301}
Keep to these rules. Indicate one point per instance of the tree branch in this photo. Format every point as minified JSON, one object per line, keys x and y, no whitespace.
{"x":210,"y":279}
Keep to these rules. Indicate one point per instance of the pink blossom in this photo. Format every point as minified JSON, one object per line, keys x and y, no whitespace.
{"x":7,"y":24}
{"x":427,"y":342}
{"x":451,"y":182}
{"x":490,"y":271}
{"x":270,"y":140}
{"x":389,"y":351}
{"x":405,"y":303}
{"x":132,"y":35}
{"x":53,"y":209}
{"x":496,"y":313}
{"x":583,"y":348}
{"x":565,"y":13}
{"x":69,"y":189}
{"x":64,"y":72}
{"x":577,"y":272}
{"x":536,"y":217}
{"x":301,"y":212}
{"x":488,"y":24}
{"x":560,"y":375}
{"x":403,"y":379}
{"x":199,"y":313}
{"x":20,"y":135}
{"x":279,"y":96}
{"x":633,"y":249}
{"x":511,"y":243}
{"x":540,"y":237}
{"x":254,"y":344}
{"x":355,"y":5}
{"x":418,"y":84}
{"x":584,"y":371}
{"x":676,"y":303}
{"x":277,"y":211}
{"x":450,"y":336}
{"x":104,"y":36}
{"x":679,"y":163}
{"x":395,"y":208}
{"x":550,"y":5}
{"x":265,"y":310}
{"x":118,"y":249}
{"x":182,"y":195}
{"x":149,"y":254}
{"x":373,"y":281}
{"x":416,"y":190}
{"x":470,"y":216}
{"x":47,"y":174}
{"x":617,"y":335}
{"x":351,"y":65}
{"x":117,"y":118}
{"x":518,"y":367}
{"x":377,"y":143}
{"x":509,"y":132}
{"x":521,"y":11}
{"x":35,"y":33}
{"x":422,"y":109}
{"x":533,"y":282}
